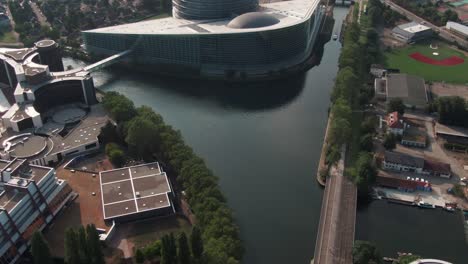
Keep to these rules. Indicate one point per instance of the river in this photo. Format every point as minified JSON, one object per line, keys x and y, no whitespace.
{"x":263,"y":141}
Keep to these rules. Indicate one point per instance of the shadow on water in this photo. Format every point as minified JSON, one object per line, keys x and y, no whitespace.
{"x":245,"y":96}
{"x":252,"y":95}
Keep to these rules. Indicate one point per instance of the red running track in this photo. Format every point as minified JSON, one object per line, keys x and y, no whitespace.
{"x":450,"y":61}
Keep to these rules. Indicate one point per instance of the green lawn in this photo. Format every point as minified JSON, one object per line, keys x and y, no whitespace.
{"x":7,"y":37}
{"x":399,"y":59}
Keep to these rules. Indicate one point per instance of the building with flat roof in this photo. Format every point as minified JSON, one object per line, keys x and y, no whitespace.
{"x":412,"y":32}
{"x":227,"y":43}
{"x":30,"y":197}
{"x":411,"y":89}
{"x":135,"y":192}
{"x":458,"y":29}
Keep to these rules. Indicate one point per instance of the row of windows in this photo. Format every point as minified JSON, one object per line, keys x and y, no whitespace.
{"x":253,"y":48}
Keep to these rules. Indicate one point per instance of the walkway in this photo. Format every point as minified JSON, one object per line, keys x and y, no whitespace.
{"x":40,"y":16}
{"x":107,"y":61}
{"x":335,"y":237}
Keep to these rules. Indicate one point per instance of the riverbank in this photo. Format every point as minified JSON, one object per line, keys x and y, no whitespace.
{"x":323,"y":169}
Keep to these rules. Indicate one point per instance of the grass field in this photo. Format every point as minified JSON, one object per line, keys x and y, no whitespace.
{"x":7,"y":37}
{"x":399,"y":59}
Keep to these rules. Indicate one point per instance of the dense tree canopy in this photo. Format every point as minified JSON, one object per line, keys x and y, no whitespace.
{"x":40,"y":250}
{"x":452,"y":110}
{"x":390,"y":141}
{"x":365,"y":172}
{"x":396,"y":105}
{"x":147,"y":136}
{"x":365,"y":253}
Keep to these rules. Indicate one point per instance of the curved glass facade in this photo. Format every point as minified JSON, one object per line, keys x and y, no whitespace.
{"x":211,"y":9}
{"x":215,"y":54}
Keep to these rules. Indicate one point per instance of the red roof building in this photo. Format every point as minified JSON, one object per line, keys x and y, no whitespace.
{"x":395,"y":123}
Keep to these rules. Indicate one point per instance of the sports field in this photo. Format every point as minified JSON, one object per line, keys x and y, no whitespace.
{"x":448,"y":65}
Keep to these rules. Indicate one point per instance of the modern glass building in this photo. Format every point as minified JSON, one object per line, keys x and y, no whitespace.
{"x":276,"y":37}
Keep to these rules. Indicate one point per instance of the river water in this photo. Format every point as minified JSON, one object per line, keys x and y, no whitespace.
{"x":262,"y":140}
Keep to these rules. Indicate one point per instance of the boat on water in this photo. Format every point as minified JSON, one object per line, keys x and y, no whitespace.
{"x":449,"y":209}
{"x":335,"y":36}
{"x":423,"y":204}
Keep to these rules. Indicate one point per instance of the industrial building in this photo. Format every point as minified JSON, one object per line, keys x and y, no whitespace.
{"x":52,"y":113}
{"x":228,"y":39}
{"x":412,"y":32}
{"x":30,"y":197}
{"x":135,"y":192}
{"x":411,"y":89}
{"x":458,"y":29}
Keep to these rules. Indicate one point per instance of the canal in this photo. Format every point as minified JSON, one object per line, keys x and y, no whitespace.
{"x":262,"y":140}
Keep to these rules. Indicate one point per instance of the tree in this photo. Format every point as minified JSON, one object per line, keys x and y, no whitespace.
{"x":333,"y":154}
{"x":196,"y":243}
{"x":452,"y":110}
{"x":71,"y":244}
{"x":339,"y":131}
{"x":83,"y":249}
{"x":94,"y":245}
{"x":366,"y":142}
{"x":153,"y":250}
{"x":396,"y":104}
{"x":364,"y":173}
{"x":142,"y":137}
{"x":139,"y":257}
{"x":368,"y":125}
{"x":40,"y":250}
{"x":390,"y":141}
{"x":183,"y":251}
{"x":365,"y":253}
{"x":115,"y":154}
{"x":120,"y":107}
{"x":168,"y":250}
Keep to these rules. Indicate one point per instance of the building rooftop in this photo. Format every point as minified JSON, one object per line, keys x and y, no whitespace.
{"x":458,"y":27}
{"x":404,"y":159}
{"x":133,"y":190}
{"x":84,"y":133}
{"x":435,"y":166}
{"x":413,"y":27}
{"x":451,"y":130}
{"x":411,"y":89}
{"x":286,"y":12}
{"x":394,"y":120}
{"x":415,"y":134}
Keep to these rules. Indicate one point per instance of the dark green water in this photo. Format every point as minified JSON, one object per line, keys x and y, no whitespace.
{"x":262,"y":140}
{"x":398,"y":228}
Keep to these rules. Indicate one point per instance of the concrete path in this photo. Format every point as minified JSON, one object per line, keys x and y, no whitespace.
{"x":335,"y":237}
